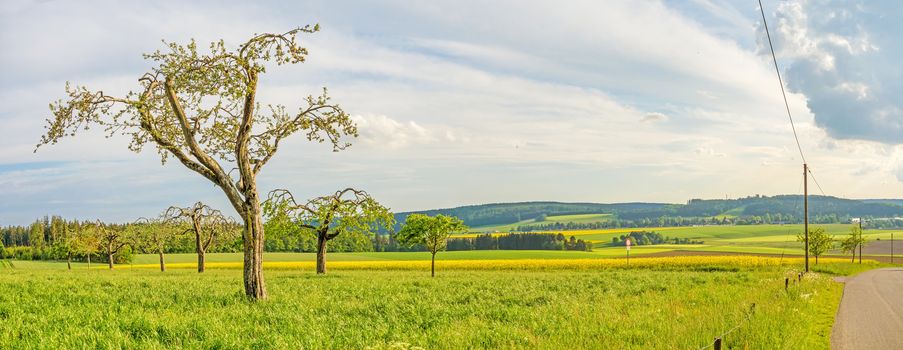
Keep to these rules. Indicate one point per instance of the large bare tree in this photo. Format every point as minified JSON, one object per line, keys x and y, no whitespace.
{"x":327,"y":217}
{"x":208,"y":225}
{"x":201,"y":109}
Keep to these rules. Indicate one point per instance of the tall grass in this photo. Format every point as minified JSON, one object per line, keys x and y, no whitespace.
{"x":612,"y":308}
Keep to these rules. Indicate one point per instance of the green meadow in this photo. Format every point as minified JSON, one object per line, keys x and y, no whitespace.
{"x":44,"y":306}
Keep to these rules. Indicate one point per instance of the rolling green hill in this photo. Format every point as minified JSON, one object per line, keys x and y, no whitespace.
{"x":529,"y":216}
{"x":510,"y":213}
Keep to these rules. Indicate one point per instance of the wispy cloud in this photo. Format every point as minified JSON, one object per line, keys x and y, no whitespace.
{"x":604,"y":101}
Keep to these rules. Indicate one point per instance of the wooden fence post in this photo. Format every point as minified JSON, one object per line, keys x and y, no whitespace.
{"x":717,"y":344}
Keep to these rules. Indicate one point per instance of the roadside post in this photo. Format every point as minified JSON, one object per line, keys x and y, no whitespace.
{"x":627,"y":242}
{"x":860,"y":240}
{"x":891,"y":247}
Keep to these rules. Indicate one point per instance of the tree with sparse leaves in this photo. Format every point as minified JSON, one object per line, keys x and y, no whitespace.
{"x":347,"y":211}
{"x":86,"y":242}
{"x":853,"y":240}
{"x":201,"y":108}
{"x":209,"y":226}
{"x":430,"y":231}
{"x":69,"y":242}
{"x":819,"y":242}
{"x":112,"y":239}
{"x":155,"y":236}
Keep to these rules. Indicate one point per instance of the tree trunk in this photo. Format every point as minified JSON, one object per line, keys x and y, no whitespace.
{"x":255,"y":288}
{"x":89,"y":260}
{"x":249,"y":207}
{"x":202,"y":257}
{"x":110,"y":257}
{"x":69,"y":260}
{"x":321,"y":254}
{"x":162,"y":262}
{"x":198,"y":246}
{"x":433,"y":266}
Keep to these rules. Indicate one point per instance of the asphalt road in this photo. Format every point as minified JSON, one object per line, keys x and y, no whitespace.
{"x":871,"y":311}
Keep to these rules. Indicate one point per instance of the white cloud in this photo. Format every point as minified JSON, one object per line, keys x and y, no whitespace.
{"x":381,"y":131}
{"x":654,"y":117}
{"x":709,"y":152}
{"x":463,"y":104}
{"x":844,"y":57}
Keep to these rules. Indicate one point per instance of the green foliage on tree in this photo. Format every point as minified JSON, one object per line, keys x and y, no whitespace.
{"x":200,"y":107}
{"x":113,"y":240}
{"x":87,"y":242}
{"x":519,"y":241}
{"x":66,"y":244}
{"x":347,"y":213}
{"x":650,"y":238}
{"x":819,"y":241}
{"x":36,"y":238}
{"x":430,"y":231}
{"x":852,"y":241}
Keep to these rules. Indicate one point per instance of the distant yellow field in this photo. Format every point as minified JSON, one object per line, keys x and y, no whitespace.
{"x":523,"y":264}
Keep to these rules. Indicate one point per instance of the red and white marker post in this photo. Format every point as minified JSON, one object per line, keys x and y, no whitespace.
{"x":627,"y":242}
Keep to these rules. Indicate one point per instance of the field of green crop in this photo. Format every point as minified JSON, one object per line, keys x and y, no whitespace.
{"x":576,"y":218}
{"x":44,"y":306}
{"x":756,"y":239}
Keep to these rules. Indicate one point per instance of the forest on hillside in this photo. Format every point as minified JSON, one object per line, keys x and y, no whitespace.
{"x":752,"y":210}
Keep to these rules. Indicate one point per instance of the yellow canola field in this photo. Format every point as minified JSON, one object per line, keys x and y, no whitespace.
{"x":524,"y":264}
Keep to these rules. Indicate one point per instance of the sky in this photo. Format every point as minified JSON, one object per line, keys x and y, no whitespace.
{"x":469,"y":102}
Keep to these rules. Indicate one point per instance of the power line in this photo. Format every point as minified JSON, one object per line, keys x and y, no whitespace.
{"x":781,"y":82}
{"x":784,"y":95}
{"x":806,"y":171}
{"x":816,"y":182}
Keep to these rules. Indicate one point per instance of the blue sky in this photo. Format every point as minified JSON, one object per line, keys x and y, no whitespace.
{"x":468,"y":102}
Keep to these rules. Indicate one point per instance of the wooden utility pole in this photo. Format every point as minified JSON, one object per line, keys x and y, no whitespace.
{"x":891,"y":248}
{"x":806,"y":210}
